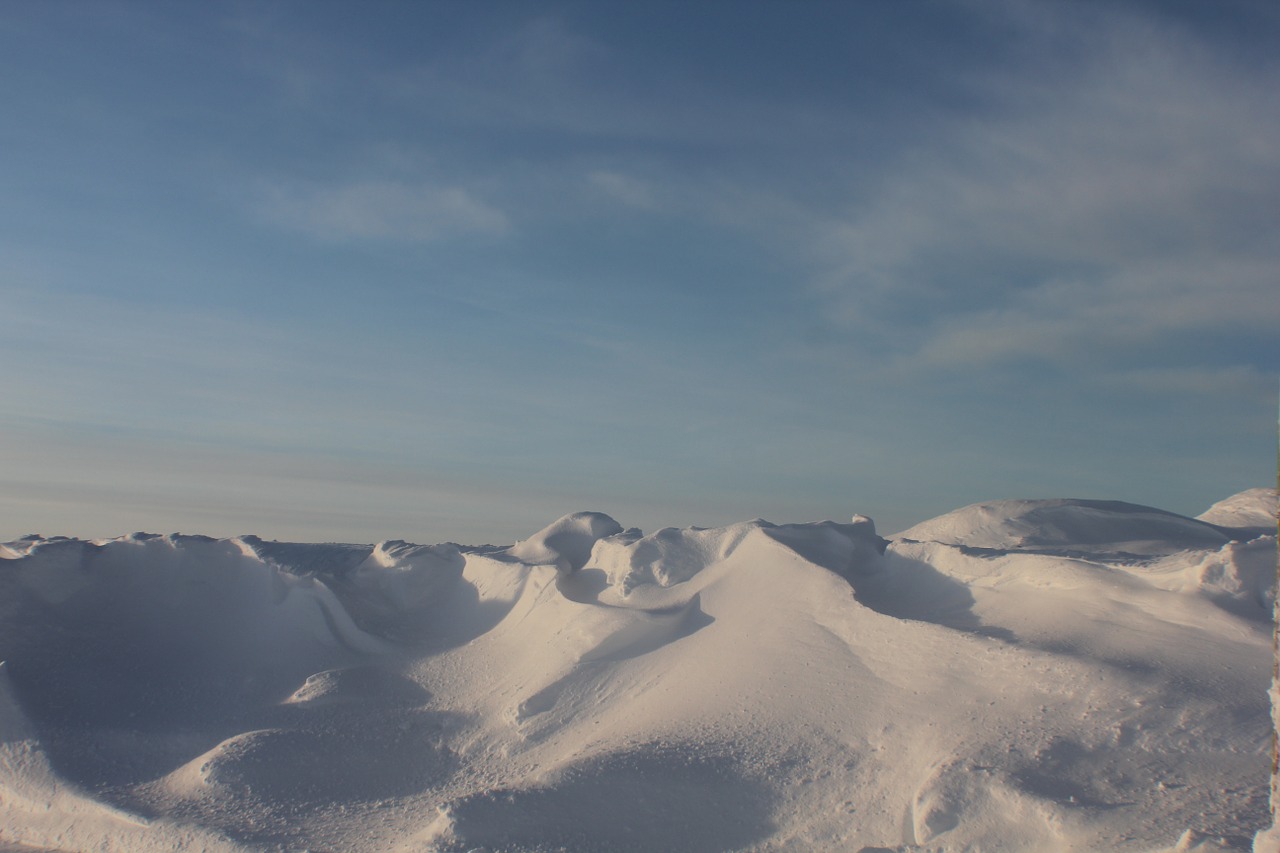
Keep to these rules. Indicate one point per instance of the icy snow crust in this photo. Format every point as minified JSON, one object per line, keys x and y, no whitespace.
{"x":1021,"y":675}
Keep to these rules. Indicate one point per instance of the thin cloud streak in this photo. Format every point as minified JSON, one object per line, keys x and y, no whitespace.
{"x":383,"y":210}
{"x":624,"y":189}
{"x":1234,"y":381}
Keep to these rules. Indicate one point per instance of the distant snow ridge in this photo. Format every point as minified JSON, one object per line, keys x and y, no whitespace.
{"x":1232,"y":565}
{"x":1057,"y":675}
{"x":1069,"y":525}
{"x":1251,"y":509}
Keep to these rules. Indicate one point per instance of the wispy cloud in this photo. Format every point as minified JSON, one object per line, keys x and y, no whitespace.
{"x":383,"y":210}
{"x":1143,"y":307}
{"x":625,"y":189}
{"x":537,"y":74}
{"x":1117,"y":202}
{"x":1238,"y":380}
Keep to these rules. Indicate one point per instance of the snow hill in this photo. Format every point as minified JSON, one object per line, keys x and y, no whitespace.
{"x":1020,"y":675}
{"x":1254,"y":509}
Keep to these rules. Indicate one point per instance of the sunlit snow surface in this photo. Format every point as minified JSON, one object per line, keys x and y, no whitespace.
{"x":1020,"y":675}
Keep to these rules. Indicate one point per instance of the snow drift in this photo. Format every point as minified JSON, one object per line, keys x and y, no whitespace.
{"x":1019,"y":675}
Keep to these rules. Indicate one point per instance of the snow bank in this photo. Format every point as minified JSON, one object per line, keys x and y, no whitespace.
{"x":1070,"y":525}
{"x":1018,"y":675}
{"x":1252,"y":509}
{"x":1233,"y":566}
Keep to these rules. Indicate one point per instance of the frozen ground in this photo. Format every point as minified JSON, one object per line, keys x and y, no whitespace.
{"x":1020,"y":675}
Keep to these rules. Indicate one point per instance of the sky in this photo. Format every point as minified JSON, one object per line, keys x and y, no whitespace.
{"x":445,"y":271}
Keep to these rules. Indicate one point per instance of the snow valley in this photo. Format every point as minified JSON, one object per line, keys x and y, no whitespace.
{"x":1018,"y":675}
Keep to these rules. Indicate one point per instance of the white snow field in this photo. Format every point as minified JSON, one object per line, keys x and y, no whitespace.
{"x":1021,"y":676}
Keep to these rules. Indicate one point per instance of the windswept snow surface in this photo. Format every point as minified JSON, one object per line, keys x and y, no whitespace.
{"x":1022,"y":676}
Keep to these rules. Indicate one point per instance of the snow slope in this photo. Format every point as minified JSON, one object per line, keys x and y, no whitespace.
{"x":1253,"y":509}
{"x":1021,"y":675}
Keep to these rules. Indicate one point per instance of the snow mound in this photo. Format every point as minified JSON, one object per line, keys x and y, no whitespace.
{"x":672,"y":556}
{"x":648,"y":797}
{"x":358,"y":684}
{"x":1250,"y":509}
{"x":1068,"y":525}
{"x":1240,"y":576}
{"x":667,"y":557}
{"x":567,"y":542}
{"x":155,"y":639}
{"x":302,"y":764}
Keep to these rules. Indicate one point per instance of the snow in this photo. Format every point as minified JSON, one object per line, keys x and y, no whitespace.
{"x":1070,"y":526}
{"x":1253,"y":508}
{"x":1016,"y":675}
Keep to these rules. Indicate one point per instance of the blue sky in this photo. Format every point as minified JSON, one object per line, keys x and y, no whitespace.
{"x":339,"y":271}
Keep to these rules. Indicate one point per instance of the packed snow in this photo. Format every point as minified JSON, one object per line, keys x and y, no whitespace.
{"x":1036,"y":675}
